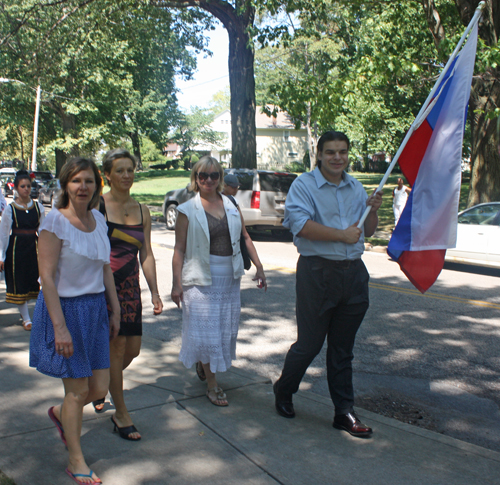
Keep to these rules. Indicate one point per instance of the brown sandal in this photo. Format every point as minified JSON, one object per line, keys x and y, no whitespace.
{"x":200,"y":371}
{"x":217,"y":394}
{"x":27,"y":325}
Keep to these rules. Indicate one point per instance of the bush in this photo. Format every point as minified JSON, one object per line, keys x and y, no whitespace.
{"x":296,"y":167}
{"x":159,"y":166}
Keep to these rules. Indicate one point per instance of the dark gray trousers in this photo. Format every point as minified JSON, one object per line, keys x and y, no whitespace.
{"x":332,"y":299}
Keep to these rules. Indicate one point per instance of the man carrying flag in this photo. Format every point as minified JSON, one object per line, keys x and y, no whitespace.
{"x":323,"y":208}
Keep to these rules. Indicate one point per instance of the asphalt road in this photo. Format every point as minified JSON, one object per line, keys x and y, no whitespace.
{"x":431,"y":360}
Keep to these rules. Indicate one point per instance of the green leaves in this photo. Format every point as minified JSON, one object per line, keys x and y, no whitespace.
{"x":354,"y":66}
{"x":106,"y":68}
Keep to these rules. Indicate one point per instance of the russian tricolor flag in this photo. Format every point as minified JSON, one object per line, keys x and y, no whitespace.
{"x":431,"y":162}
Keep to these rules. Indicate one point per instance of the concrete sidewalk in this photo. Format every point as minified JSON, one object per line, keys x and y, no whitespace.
{"x":186,"y":440}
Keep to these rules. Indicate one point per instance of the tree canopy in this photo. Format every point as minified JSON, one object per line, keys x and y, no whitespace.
{"x":106,"y":69}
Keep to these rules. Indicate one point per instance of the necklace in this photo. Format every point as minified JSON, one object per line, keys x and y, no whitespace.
{"x":126,"y":211}
{"x":22,"y":205}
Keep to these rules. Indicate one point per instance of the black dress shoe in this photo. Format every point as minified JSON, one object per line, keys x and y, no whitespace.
{"x":350,"y":423}
{"x":284,"y":407}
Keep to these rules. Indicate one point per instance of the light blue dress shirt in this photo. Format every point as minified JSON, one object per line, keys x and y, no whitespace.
{"x":312,"y":197}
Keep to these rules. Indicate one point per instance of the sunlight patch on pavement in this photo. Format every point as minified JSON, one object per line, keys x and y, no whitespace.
{"x":409,"y":291}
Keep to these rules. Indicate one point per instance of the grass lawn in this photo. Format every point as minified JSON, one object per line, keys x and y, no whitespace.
{"x":150,"y":188}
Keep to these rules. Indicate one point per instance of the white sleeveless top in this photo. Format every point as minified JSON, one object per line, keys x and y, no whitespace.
{"x":83,"y":254}
{"x":400,"y":196}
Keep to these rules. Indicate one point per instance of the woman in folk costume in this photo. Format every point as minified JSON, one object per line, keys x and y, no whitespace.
{"x":19,"y":246}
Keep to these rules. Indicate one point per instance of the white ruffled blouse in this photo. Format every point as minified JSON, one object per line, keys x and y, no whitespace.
{"x":83,"y":254}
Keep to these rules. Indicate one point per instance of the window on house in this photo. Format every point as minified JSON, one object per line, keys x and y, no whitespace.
{"x":286,"y":135}
{"x":293,"y":154}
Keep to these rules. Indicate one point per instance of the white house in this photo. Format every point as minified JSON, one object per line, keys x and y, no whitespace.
{"x":278,"y":142}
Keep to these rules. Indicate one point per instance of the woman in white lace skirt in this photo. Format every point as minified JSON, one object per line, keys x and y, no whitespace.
{"x":207,"y":268}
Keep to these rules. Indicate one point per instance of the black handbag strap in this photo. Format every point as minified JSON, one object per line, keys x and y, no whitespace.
{"x":232,"y":199}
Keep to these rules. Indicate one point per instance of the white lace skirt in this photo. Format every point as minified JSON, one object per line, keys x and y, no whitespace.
{"x":210,"y":318}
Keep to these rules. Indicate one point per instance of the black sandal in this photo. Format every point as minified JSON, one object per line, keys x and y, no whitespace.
{"x":125,"y":431}
{"x":200,"y":371}
{"x":99,"y":402}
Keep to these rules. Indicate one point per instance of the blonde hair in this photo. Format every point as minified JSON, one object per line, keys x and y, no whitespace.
{"x":202,"y":165}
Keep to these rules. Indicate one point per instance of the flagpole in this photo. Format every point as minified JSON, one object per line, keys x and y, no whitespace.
{"x":416,"y":123}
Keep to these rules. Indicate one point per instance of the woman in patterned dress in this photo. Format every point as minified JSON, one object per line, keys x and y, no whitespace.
{"x":18,"y":247}
{"x":207,"y":267}
{"x":129,"y":231}
{"x":71,"y":327}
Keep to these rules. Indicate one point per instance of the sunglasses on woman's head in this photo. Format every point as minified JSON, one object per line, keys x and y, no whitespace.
{"x":203,"y":176}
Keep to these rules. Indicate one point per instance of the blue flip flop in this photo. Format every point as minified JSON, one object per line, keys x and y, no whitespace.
{"x":74,"y":476}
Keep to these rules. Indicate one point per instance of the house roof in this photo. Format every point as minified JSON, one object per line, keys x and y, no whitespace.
{"x":282,"y":120}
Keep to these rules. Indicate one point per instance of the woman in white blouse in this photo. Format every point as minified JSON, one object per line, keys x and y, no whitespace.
{"x":71,"y":329}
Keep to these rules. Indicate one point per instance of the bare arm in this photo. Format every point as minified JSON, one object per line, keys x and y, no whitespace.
{"x":181,"y":227}
{"x":148,"y":263}
{"x":110,"y":290}
{"x":252,"y":252}
{"x":49,"y":249}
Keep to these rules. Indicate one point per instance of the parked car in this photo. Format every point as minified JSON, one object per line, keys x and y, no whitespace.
{"x":42,"y":177}
{"x":478,"y":236}
{"x":261,"y":198}
{"x":7,"y":184}
{"x":35,"y":187}
{"x":48,"y":193}
{"x":8,"y":171}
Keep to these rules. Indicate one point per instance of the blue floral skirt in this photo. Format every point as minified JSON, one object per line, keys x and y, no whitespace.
{"x":87,"y":321}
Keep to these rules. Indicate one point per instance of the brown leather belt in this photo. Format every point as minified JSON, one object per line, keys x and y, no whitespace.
{"x":23,"y":232}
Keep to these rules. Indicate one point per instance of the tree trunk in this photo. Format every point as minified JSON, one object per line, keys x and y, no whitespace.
{"x":485,"y":98}
{"x":60,"y":160}
{"x":485,"y":158}
{"x":136,"y":143}
{"x":242,"y":87}
{"x":21,"y":139}
{"x":237,"y":17}
{"x":68,"y":127}
{"x":311,"y":139}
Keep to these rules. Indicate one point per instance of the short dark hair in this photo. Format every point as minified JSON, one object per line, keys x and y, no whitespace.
{"x":330,"y":136}
{"x":112,"y":155}
{"x":71,"y":168}
{"x":21,"y":175}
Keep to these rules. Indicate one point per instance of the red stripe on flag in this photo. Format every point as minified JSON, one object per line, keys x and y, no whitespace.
{"x":422,"y":267}
{"x":414,"y":151}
